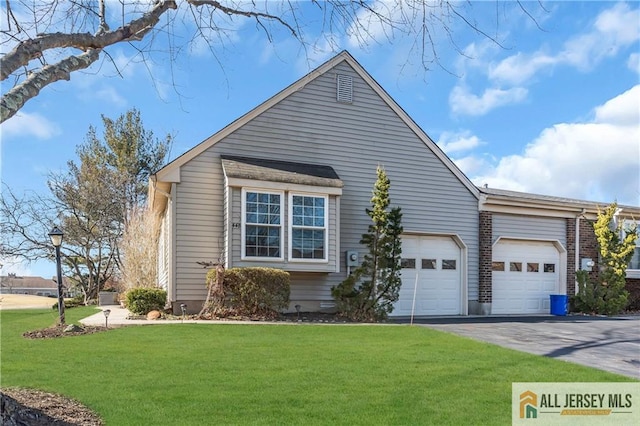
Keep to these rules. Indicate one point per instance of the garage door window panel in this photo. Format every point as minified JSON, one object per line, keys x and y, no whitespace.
{"x":449,"y":264}
{"x":533,"y":267}
{"x":408,"y":263}
{"x":550,"y":267}
{"x":515,"y":266}
{"x":429,"y":264}
{"x":497,"y":266}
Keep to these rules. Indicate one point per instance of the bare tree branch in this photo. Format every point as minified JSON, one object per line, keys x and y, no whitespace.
{"x":14,"y":99}
{"x":247,"y":13}
{"x":34,"y":48}
{"x":47,"y":30}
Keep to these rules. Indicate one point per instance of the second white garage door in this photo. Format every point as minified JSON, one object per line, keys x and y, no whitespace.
{"x":436,"y":261}
{"x":524,"y":274}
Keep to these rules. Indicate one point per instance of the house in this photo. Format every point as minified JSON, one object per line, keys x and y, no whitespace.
{"x":36,"y":286}
{"x":287,"y":184}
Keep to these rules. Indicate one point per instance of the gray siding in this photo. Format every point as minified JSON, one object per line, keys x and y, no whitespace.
{"x":538,"y":228}
{"x":310,"y":126}
{"x":199,"y":223}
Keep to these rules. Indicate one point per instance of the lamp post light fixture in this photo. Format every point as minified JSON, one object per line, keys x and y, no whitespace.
{"x":56,"y":236}
{"x":298,"y":311}
{"x":106,"y":313}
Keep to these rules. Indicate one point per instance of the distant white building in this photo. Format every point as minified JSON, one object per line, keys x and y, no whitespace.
{"x":36,"y":286}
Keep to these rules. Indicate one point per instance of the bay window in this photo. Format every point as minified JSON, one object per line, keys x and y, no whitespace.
{"x":263,"y":236}
{"x":262,"y":217}
{"x":308,"y":231}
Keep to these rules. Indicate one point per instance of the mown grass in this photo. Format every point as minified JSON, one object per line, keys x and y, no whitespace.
{"x":195,"y":374}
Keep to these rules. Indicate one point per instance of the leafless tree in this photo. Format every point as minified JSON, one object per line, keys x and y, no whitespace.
{"x":139,"y":249}
{"x":44,"y":41}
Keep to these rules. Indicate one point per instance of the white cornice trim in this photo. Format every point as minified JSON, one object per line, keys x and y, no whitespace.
{"x":283,"y":186}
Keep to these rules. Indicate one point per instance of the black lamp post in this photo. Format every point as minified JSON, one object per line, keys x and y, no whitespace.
{"x":56,"y":239}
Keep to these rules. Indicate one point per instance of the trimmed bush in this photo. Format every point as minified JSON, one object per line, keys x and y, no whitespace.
{"x":257,"y":291}
{"x":141,"y":301}
{"x":70,"y":303}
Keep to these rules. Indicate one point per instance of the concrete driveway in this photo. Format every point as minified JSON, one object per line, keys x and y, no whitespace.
{"x":610,"y":344}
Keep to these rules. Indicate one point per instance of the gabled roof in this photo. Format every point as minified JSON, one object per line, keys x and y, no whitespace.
{"x":168,"y":173}
{"x":12,"y":281}
{"x":280,"y":171}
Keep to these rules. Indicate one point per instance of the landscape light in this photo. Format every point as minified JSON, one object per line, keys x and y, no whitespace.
{"x":183,"y":308}
{"x":106,"y":313}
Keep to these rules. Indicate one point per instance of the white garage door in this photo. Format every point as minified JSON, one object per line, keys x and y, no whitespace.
{"x":436,"y":262}
{"x":524,"y":274}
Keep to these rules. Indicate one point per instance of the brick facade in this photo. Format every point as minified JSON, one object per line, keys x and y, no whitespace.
{"x":633,"y":287}
{"x":486,"y":257}
{"x":589,"y":245}
{"x":588,"y":249}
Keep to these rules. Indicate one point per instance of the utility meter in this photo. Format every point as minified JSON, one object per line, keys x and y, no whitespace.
{"x":352,"y":258}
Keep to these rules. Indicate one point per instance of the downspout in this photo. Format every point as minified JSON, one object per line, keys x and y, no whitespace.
{"x":577,"y":250}
{"x":172,"y":263}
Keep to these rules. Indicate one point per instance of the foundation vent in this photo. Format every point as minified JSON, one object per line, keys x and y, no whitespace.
{"x":345,"y":88}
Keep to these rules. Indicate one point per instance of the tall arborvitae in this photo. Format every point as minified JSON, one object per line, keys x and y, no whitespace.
{"x":369,"y":292}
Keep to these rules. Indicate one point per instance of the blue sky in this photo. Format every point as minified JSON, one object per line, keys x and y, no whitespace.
{"x":555,"y":110}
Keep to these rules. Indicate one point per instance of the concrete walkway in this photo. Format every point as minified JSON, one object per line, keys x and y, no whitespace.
{"x":610,"y":344}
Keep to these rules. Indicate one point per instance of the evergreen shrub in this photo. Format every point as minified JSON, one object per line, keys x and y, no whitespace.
{"x":142,"y":300}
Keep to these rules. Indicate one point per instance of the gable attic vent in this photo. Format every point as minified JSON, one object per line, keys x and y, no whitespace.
{"x":345,"y":88}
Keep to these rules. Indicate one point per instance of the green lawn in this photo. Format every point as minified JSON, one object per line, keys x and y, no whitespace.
{"x":196,"y":374}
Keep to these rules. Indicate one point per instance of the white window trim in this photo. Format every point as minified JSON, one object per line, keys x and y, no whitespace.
{"x":290,"y":227}
{"x":243,"y":253}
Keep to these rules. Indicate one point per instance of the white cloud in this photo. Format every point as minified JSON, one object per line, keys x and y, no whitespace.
{"x":519,"y":68}
{"x":464,"y":102}
{"x":368,"y":26}
{"x":634,"y":62}
{"x":451,"y":142}
{"x":622,"y":110}
{"x":614,"y":29}
{"x":597,"y":160}
{"x":111,"y":95}
{"x":24,"y":124}
{"x":473,"y":165}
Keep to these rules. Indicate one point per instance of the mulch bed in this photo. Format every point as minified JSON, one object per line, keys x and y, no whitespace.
{"x":38,"y":407}
{"x":59,"y":331}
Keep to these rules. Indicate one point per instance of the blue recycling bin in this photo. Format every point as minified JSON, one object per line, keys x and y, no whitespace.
{"x":559,"y":304}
